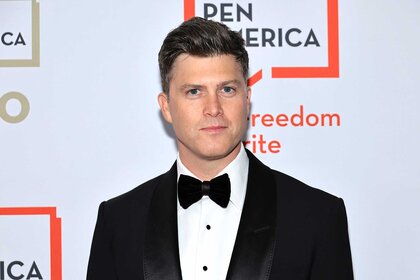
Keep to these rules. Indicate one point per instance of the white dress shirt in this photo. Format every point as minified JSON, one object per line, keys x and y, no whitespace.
{"x":206,"y":231}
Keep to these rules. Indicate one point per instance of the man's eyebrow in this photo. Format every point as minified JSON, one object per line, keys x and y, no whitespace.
{"x":221,"y":84}
{"x":235,"y":81}
{"x":190,"y":86}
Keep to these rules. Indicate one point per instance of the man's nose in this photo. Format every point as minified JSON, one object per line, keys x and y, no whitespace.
{"x":213,"y":106}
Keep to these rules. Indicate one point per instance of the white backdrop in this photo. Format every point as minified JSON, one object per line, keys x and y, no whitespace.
{"x":94,"y":129}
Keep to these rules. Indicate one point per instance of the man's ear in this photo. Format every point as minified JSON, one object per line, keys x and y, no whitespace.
{"x":248,"y":100}
{"x":163,"y":100}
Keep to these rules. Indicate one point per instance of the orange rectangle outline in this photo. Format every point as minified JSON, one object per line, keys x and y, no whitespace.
{"x":55,"y":233}
{"x":330,"y":71}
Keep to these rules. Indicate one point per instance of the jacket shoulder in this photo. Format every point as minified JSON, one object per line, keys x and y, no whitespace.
{"x":138,"y":193}
{"x":311,"y":206}
{"x":137,"y":199}
{"x":117,"y":215}
{"x":295,"y":188}
{"x":291,"y":191}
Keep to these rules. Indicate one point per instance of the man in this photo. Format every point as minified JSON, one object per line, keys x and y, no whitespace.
{"x":218,"y":213}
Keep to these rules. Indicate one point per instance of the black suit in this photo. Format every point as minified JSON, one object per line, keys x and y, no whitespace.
{"x":288,"y":231}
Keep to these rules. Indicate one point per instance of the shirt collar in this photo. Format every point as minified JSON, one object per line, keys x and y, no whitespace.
{"x":238,"y":175}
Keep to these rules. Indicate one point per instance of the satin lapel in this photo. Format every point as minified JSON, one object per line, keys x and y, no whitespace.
{"x":161,"y":254}
{"x":252,"y":255}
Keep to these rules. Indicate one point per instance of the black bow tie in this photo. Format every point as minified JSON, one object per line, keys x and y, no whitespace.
{"x":191,"y":190}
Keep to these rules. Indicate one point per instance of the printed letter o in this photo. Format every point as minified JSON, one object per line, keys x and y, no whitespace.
{"x":24,"y":104}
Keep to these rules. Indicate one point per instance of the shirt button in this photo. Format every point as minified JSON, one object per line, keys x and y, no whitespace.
{"x":205,"y":268}
{"x":208,"y":227}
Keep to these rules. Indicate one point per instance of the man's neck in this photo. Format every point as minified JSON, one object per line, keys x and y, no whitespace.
{"x":207,"y":169}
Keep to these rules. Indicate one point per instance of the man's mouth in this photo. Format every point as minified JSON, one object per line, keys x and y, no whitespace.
{"x":214,"y":128}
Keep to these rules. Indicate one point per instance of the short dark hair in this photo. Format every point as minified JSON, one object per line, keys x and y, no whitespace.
{"x":204,"y":38}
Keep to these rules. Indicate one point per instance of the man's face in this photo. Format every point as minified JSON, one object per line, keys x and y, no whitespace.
{"x":208,"y":106}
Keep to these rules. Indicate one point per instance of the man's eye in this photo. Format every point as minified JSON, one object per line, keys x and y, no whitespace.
{"x":228,"y":90}
{"x":193,"y":91}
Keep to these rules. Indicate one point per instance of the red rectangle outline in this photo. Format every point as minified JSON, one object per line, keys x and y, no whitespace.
{"x":55,"y":233}
{"x":330,"y":71}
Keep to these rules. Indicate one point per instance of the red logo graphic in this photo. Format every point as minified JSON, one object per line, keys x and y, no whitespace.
{"x":55,"y":233}
{"x":329,"y":71}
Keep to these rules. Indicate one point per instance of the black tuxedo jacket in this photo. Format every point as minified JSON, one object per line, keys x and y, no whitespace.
{"x":287,"y":231}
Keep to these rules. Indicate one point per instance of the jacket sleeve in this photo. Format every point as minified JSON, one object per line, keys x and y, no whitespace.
{"x":332,"y":260}
{"x":101,"y":265}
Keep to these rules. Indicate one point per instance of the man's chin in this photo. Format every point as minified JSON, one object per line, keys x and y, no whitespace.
{"x":221,"y":153}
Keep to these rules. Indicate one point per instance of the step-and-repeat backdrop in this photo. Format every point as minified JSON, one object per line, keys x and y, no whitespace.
{"x":335,"y":103}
